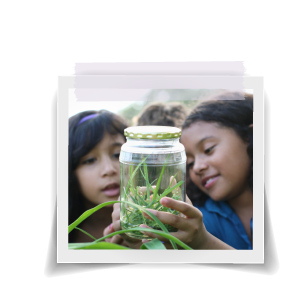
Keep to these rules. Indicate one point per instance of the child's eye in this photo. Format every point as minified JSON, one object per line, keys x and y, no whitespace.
{"x":116,"y":155}
{"x":89,"y":161}
{"x":208,"y":150}
{"x":190,"y":165}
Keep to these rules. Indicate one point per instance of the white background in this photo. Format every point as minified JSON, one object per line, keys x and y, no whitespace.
{"x":44,"y":39}
{"x":75,"y":106}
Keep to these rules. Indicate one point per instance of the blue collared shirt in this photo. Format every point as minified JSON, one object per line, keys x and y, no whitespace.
{"x":222,"y":222}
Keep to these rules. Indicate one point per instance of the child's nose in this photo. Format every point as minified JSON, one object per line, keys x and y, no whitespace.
{"x":107,"y":168}
{"x":200,"y":165}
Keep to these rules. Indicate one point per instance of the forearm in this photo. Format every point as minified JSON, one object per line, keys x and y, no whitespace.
{"x":213,"y":243}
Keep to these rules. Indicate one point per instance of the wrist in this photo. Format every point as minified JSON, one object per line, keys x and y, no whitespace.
{"x":210,"y":242}
{"x":204,"y":240}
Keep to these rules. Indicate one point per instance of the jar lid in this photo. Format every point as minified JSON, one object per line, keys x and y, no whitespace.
{"x":152,"y":132}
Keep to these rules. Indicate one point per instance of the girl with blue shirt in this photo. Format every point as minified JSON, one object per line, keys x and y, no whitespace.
{"x":218,"y":137}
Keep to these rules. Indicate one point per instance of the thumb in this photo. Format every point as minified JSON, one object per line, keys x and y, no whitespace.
{"x":173,"y":181}
{"x":187,"y":200}
{"x":109,"y":229}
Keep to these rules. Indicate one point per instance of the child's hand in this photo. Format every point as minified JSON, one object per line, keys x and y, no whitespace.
{"x":122,"y":239}
{"x":191,"y":229}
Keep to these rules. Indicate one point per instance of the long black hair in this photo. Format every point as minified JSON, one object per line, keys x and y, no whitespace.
{"x":83,"y":137}
{"x":235,"y":114}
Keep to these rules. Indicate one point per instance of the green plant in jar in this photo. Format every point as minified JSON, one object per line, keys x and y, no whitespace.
{"x":152,"y":164}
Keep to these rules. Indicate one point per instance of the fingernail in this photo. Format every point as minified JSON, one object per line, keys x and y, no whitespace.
{"x":154,"y":212}
{"x":146,"y":216}
{"x":111,"y":227}
{"x":164,"y":201}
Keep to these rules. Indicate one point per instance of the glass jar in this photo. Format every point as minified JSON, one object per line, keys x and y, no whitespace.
{"x":152,"y":165}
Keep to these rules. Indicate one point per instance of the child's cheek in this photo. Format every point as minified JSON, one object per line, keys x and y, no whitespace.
{"x":196,"y":180}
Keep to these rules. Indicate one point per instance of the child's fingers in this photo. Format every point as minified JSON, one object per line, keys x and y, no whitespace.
{"x":108,"y":230}
{"x":131,"y":243}
{"x":151,"y":197}
{"x":120,"y":238}
{"x":169,"y":219}
{"x":188,"y":201}
{"x":116,"y":239}
{"x":116,"y":212}
{"x":173,"y":181}
{"x":116,"y":207}
{"x":185,"y":237}
{"x":142,"y":190}
{"x":168,"y":245}
{"x":117,"y":225}
{"x":152,"y":235}
{"x":185,"y":208}
{"x":123,"y":238}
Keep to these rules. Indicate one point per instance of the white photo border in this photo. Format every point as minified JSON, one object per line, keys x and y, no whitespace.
{"x":64,"y":255}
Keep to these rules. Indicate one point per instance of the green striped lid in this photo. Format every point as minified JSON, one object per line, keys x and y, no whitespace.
{"x":152,"y":132}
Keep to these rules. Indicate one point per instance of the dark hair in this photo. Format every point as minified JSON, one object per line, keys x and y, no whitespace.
{"x":163,"y":114}
{"x":82,"y":139}
{"x":235,"y":114}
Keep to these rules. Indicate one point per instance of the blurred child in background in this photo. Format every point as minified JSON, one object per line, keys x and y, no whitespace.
{"x":163,"y":114}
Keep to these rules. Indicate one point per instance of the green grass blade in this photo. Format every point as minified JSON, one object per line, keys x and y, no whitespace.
{"x":88,"y":213}
{"x":86,"y":233}
{"x":147,"y":181}
{"x":159,"y":180}
{"x":147,"y":184}
{"x":168,"y":236}
{"x":166,"y":192}
{"x":155,"y":244}
{"x":142,"y":220}
{"x":172,"y":180}
{"x":152,"y":184}
{"x":133,"y":174}
{"x":142,"y":200}
{"x":131,"y":193}
{"x":101,"y":245}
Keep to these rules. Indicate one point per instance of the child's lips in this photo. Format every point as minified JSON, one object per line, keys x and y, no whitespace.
{"x":112,"y":190}
{"x":210,"y":182}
